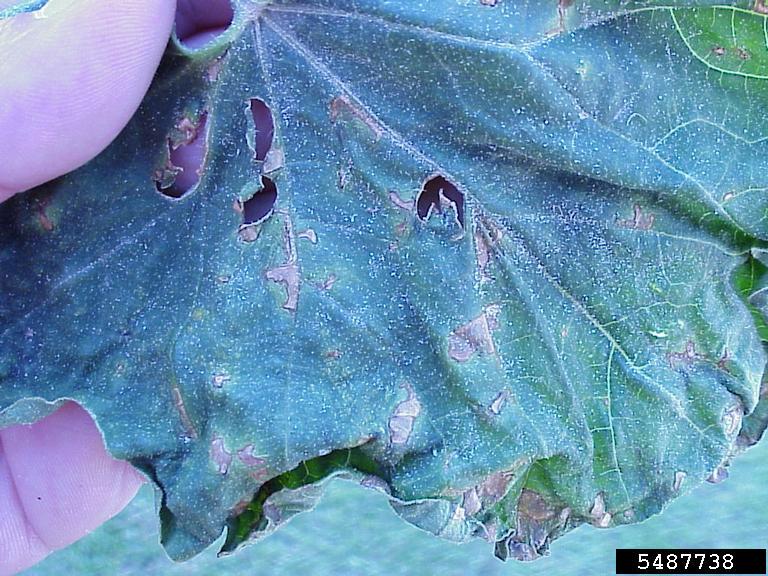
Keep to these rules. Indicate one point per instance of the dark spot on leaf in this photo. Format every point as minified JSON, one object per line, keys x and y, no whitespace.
{"x":200,"y":21}
{"x":186,"y":151}
{"x":430,"y":198}
{"x":489,"y":2}
{"x":718,"y":50}
{"x":743,"y":54}
{"x":264,"y":124}
{"x":259,"y":206}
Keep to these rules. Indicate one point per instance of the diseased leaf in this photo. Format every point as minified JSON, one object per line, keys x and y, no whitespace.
{"x":503,"y":261}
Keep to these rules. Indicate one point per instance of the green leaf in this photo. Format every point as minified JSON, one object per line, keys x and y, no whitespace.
{"x":500,"y":262}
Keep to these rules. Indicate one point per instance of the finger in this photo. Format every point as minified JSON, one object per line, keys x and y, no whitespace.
{"x":65,"y":483}
{"x":72,"y":75}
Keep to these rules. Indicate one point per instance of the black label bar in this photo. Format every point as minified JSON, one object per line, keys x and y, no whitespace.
{"x":690,"y":561}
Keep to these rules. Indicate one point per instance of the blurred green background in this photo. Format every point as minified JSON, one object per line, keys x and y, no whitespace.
{"x":354,"y":532}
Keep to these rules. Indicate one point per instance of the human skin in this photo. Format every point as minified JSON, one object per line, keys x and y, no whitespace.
{"x":69,"y":82}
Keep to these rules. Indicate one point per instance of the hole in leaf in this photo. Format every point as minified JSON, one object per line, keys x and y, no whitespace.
{"x":435,"y":193}
{"x":200,"y":21}
{"x":259,"y":206}
{"x":265,"y":128}
{"x":187,"y":148}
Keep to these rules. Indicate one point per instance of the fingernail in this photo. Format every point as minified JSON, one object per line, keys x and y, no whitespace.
{"x":22,"y":7}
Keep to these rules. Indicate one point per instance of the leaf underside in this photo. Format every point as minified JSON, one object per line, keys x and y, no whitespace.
{"x":503,"y":261}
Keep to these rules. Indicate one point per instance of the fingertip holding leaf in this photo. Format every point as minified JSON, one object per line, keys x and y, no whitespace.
{"x":74,"y":72}
{"x":592,"y":347}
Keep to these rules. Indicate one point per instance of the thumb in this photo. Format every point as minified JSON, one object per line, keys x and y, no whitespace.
{"x":73,"y":73}
{"x":57,"y":483}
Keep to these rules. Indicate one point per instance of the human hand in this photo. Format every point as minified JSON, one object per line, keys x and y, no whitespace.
{"x":69,"y":82}
{"x":57,"y":483}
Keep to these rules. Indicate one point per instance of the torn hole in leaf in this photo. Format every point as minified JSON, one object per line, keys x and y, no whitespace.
{"x":186,"y":150}
{"x":438,"y":193}
{"x":264,"y":124}
{"x":200,"y":21}
{"x":257,"y":209}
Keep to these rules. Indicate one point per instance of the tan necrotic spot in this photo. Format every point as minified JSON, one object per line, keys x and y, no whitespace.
{"x":475,"y":337}
{"x":678,"y":482}
{"x":220,"y":456}
{"x":247,"y":456}
{"x":600,"y":516}
{"x":308,"y":234}
{"x":402,"y":419}
{"x":639,"y":221}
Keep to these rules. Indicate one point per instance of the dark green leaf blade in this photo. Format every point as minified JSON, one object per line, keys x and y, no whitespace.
{"x":554,"y":339}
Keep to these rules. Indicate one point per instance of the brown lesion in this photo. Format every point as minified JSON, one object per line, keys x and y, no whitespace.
{"x":760,"y":7}
{"x":342,"y":108}
{"x":288,"y":274}
{"x":487,"y":238}
{"x":308,"y":234}
{"x":186,"y":422}
{"x":722,"y":363}
{"x":538,"y":519}
{"x":640,"y":220}
{"x":475,"y":337}
{"x":687,"y":357}
{"x":42,"y":202}
{"x":220,"y":456}
{"x":403,"y":416}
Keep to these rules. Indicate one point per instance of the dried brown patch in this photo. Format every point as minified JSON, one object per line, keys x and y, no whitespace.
{"x":402,"y":419}
{"x":475,"y":337}
{"x":406,"y":205}
{"x":600,"y":516}
{"x":220,"y":456}
{"x":686,"y":357}
{"x":247,"y":456}
{"x":342,"y":108}
{"x":178,"y":402}
{"x":497,"y":405}
{"x":42,"y":202}
{"x":328,"y":283}
{"x":679,"y":479}
{"x":732,"y":419}
{"x":487,"y":237}
{"x":288,"y":276}
{"x":495,"y":487}
{"x":639,"y":221}
{"x":219,"y":379}
{"x":308,"y":234}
